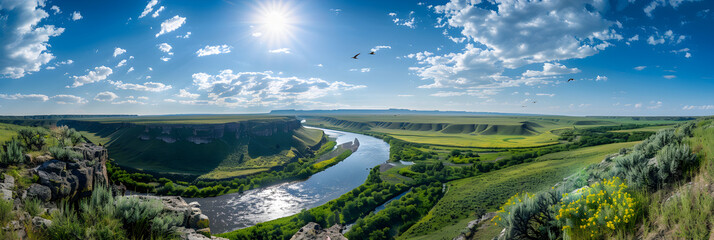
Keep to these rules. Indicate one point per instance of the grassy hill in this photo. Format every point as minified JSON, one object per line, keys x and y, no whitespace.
{"x":211,"y":147}
{"x":469,"y":198}
{"x":473,"y":131}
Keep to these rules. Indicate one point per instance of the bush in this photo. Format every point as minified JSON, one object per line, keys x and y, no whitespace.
{"x":12,"y":153}
{"x":65,"y":224}
{"x":598,"y":211}
{"x":672,"y":161}
{"x":529,"y":216}
{"x":5,"y":211}
{"x":32,"y":206}
{"x":33,"y":138}
{"x":144,"y":218}
{"x":98,"y":213}
{"x":64,"y":154}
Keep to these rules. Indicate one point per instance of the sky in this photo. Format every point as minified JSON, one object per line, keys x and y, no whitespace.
{"x":148,"y":57}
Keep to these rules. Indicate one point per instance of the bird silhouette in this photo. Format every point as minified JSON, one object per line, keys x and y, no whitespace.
{"x":534,"y":101}
{"x":371,"y":53}
{"x":355,"y":57}
{"x":571,"y":80}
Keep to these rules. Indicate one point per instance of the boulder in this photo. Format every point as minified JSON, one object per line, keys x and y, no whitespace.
{"x":199,"y":221}
{"x":40,"y":192}
{"x":314,"y":231}
{"x":41,"y":223}
{"x":8,"y":183}
{"x":75,"y":179}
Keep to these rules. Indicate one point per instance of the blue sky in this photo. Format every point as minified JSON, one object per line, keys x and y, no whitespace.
{"x":627,"y":57}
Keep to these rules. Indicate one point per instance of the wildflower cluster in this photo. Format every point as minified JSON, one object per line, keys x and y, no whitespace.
{"x":596,"y":211}
{"x":503,"y":213}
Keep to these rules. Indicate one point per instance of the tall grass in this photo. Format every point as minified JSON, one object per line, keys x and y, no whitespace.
{"x":32,"y":206}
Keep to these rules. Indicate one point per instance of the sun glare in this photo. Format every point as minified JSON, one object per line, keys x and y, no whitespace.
{"x":276,"y":22}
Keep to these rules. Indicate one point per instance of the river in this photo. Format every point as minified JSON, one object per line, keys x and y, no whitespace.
{"x":240,"y":210}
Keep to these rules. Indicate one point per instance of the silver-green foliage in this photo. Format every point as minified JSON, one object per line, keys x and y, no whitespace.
{"x":12,"y":152}
{"x":533,"y":218}
{"x":64,"y":154}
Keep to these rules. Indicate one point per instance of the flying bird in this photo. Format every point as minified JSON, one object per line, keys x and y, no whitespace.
{"x":371,"y":53}
{"x":571,"y":80}
{"x":534,"y":101}
{"x":355,"y":57}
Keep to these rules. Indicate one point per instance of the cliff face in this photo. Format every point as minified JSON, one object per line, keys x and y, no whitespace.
{"x":185,"y":151}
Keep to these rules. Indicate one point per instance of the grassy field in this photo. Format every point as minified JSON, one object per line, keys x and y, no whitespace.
{"x":7,"y":132}
{"x":473,"y":131}
{"x":469,"y":198}
{"x":645,"y":129}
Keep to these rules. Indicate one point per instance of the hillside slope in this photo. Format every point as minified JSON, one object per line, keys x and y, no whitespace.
{"x":192,"y":149}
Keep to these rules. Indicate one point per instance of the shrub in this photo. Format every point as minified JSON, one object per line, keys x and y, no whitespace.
{"x":529,"y":216}
{"x":145,"y":218}
{"x":65,"y":224}
{"x":672,"y":161}
{"x":32,"y":206}
{"x":33,"y":138}
{"x":5,"y":211}
{"x":12,"y":153}
{"x":64,"y":154}
{"x":597,"y":211}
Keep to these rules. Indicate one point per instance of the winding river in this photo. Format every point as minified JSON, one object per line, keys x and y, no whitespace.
{"x":240,"y":210}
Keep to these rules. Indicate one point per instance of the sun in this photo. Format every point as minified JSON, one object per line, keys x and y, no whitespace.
{"x":276,"y":22}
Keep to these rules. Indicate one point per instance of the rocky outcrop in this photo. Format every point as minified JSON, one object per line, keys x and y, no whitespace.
{"x":6,"y":187}
{"x":313,"y":231}
{"x":354,"y":145}
{"x":195,"y":224}
{"x":474,"y":226}
{"x":74,"y":178}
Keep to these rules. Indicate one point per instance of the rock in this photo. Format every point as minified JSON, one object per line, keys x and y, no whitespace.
{"x":40,"y":192}
{"x":194,"y":204}
{"x":204,"y":231}
{"x":314,"y":231}
{"x":75,"y":179}
{"x":8,"y":183}
{"x":199,"y":221}
{"x":191,"y":234}
{"x":41,"y":223}
{"x":5,"y":194}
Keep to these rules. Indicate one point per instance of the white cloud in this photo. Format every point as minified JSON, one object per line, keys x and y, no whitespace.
{"x":76,"y":16}
{"x":143,"y":98}
{"x":364,"y":70}
{"x":23,"y":45}
{"x":634,"y":38}
{"x":29,"y":97}
{"x":171,"y":24}
{"x":68,"y":99}
{"x":319,"y":65}
{"x":165,"y":47}
{"x":165,"y":59}
{"x":280,"y":50}
{"x":662,"y":3}
{"x":56,"y":9}
{"x":638,"y":105}
{"x":601,"y":78}
{"x":405,"y":95}
{"x":149,"y":7}
{"x":669,"y":76}
{"x":119,"y":51}
{"x":336,"y":11}
{"x":687,"y":55}
{"x":640,"y":68}
{"x":376,"y":48}
{"x":480,"y":93}
{"x":516,"y":34}
{"x":669,"y":35}
{"x":185,"y":94}
{"x":256,"y":34}
{"x":156,"y":14}
{"x":263,"y":88}
{"x":98,"y":74}
{"x":121,"y":63}
{"x":655,"y":105}
{"x":150,"y":69}
{"x":128,"y":102}
{"x":212,"y":50}
{"x":106,"y":96}
{"x":131,"y":69}
{"x":551,"y":69}
{"x":546,"y":94}
{"x":188,"y":34}
{"x":652,"y":41}
{"x":407,"y":22}
{"x":147,"y":86}
{"x":700,"y":107}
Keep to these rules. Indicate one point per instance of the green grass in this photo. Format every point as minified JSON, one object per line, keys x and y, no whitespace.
{"x":94,"y":138}
{"x":8,"y":131}
{"x":470,"y":198}
{"x":473,"y":131}
{"x":645,"y":129}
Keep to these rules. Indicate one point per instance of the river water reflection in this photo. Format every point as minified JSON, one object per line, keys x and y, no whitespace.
{"x":240,"y":210}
